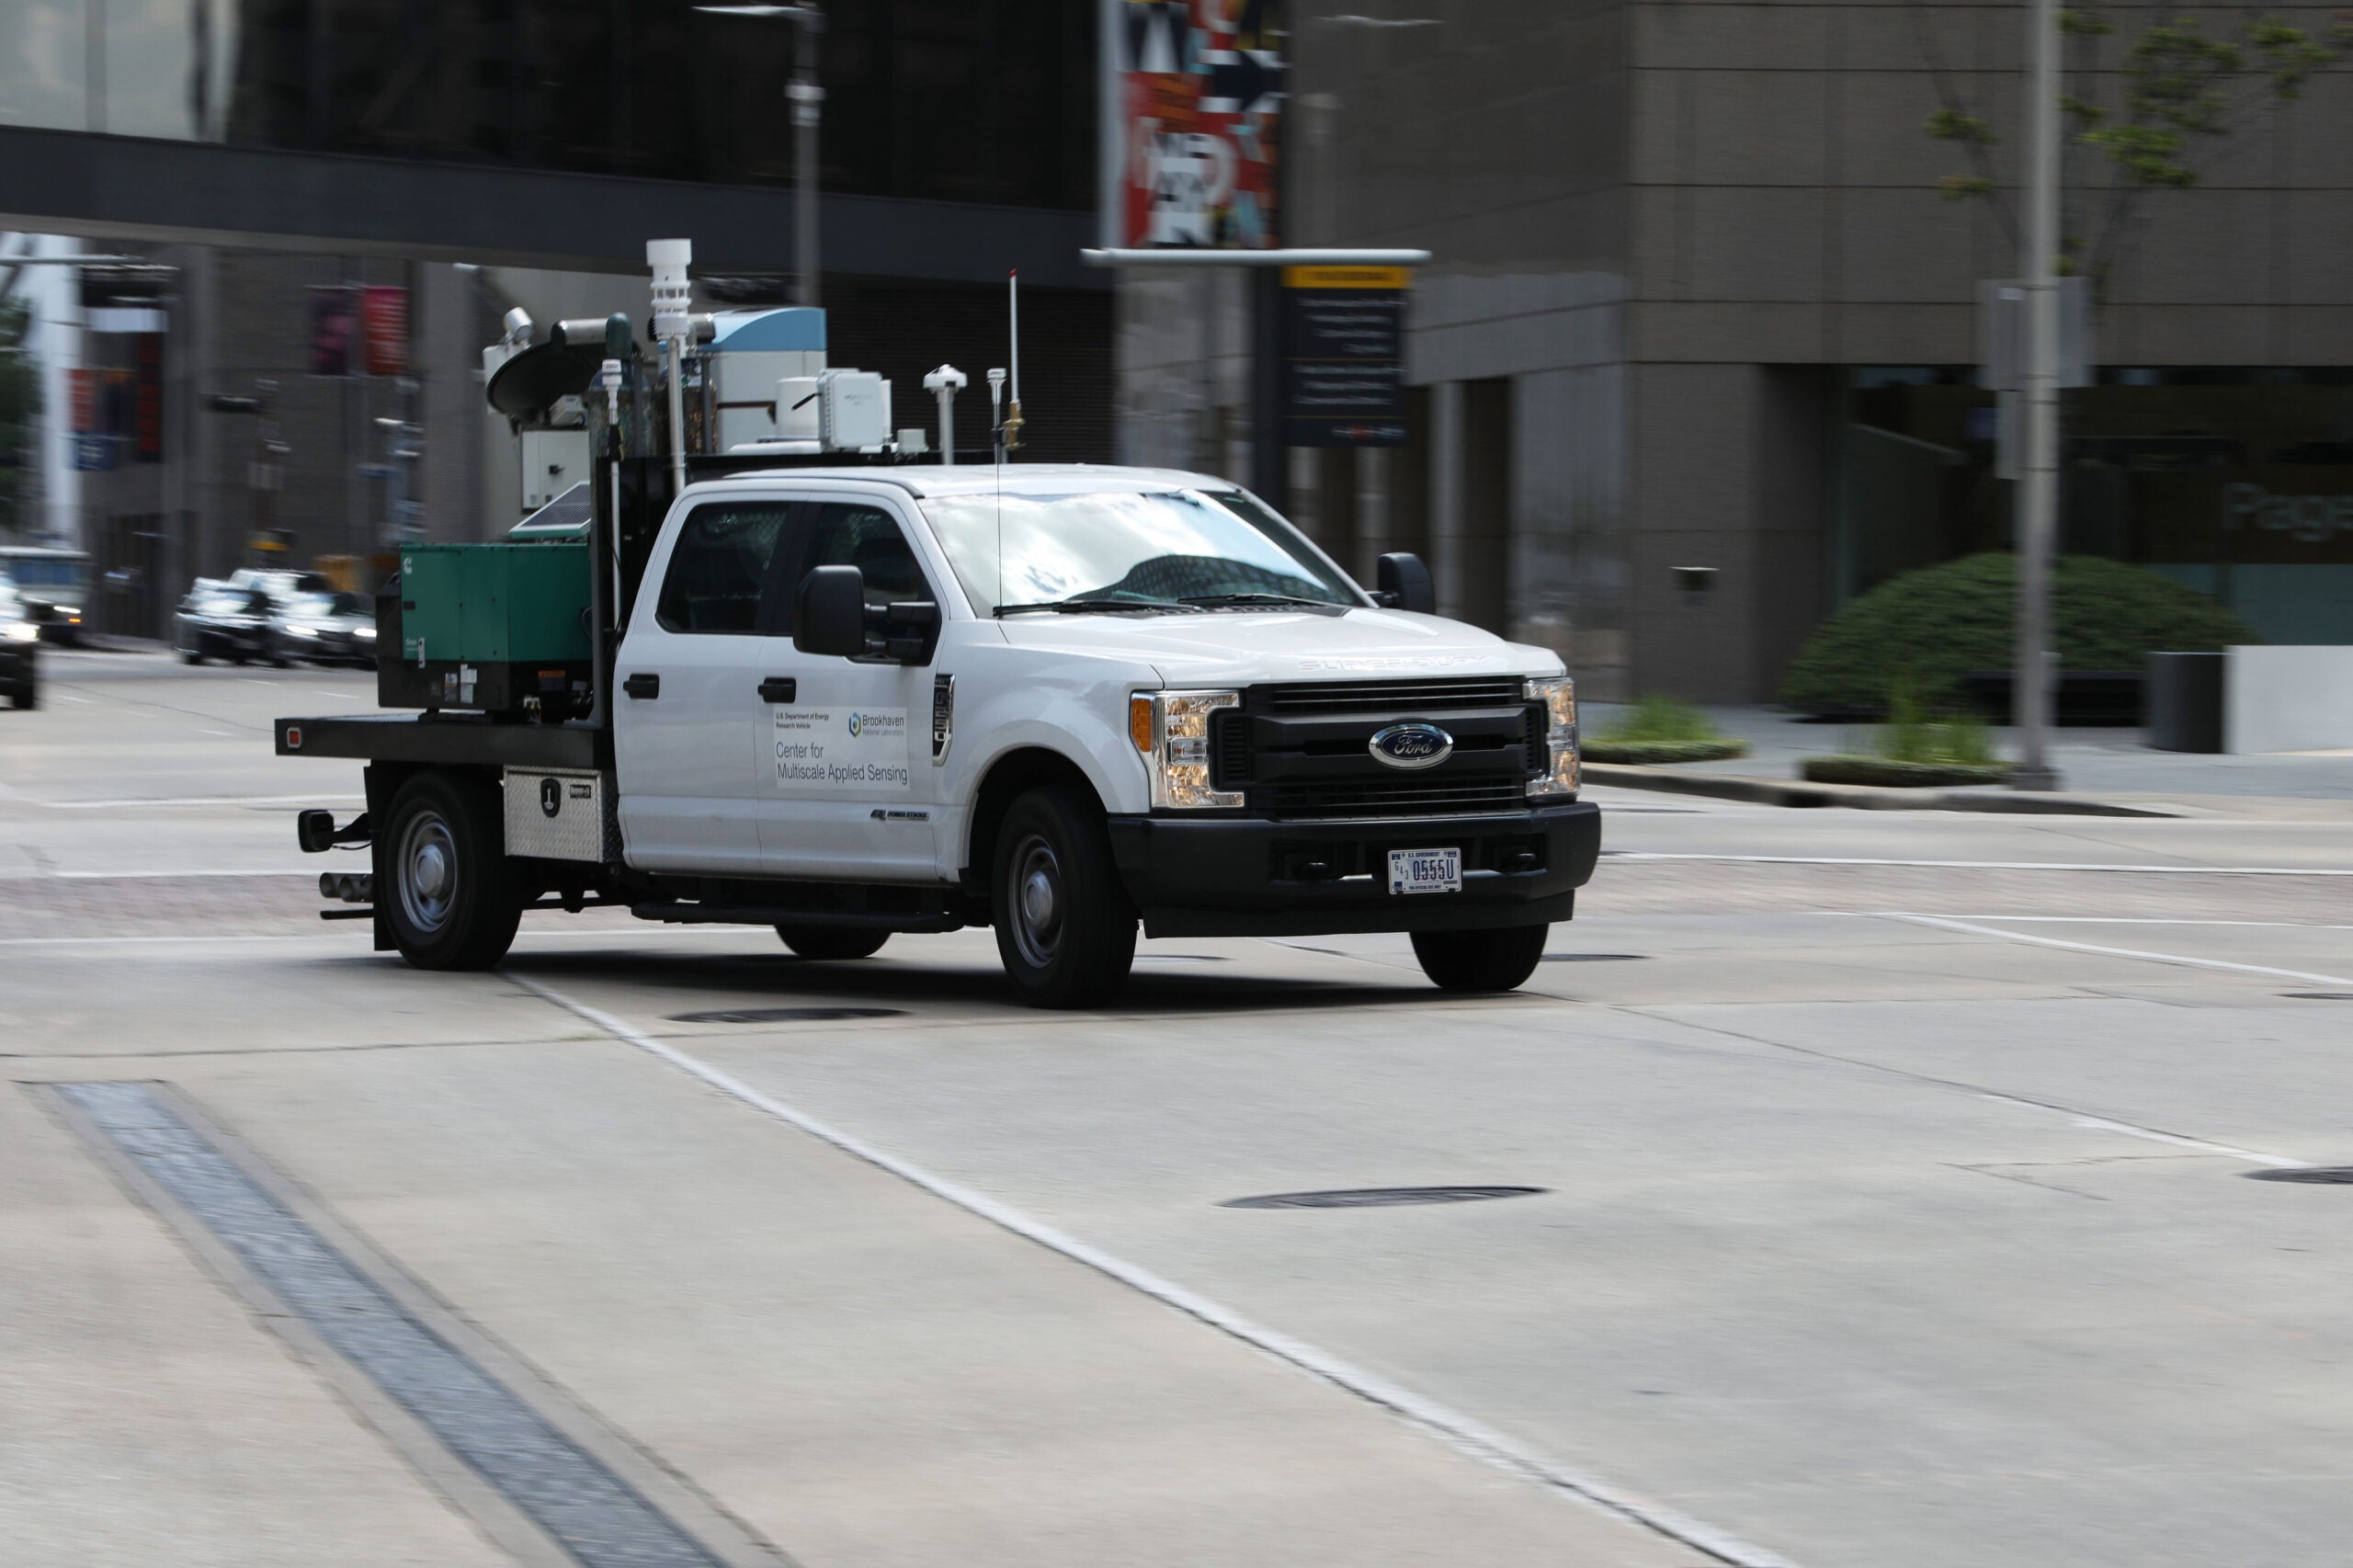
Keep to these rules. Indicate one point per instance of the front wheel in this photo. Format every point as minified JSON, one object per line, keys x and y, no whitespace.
{"x":29,"y":694}
{"x":1480,"y":960}
{"x":1065,"y":928}
{"x":832,"y":941}
{"x":452,"y":899}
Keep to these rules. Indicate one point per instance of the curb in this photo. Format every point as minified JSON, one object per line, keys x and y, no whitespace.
{"x":1857,"y":796}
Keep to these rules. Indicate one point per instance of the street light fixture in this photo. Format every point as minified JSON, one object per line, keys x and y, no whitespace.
{"x":808,"y":100}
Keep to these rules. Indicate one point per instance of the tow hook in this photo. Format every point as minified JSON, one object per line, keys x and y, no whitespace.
{"x":316,"y":833}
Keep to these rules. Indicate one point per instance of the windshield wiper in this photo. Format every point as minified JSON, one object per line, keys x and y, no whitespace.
{"x":1261,"y":599}
{"x":1084,"y":604}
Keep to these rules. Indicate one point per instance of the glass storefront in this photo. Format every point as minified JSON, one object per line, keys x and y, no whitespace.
{"x":982,"y":100}
{"x":2237,"y":482}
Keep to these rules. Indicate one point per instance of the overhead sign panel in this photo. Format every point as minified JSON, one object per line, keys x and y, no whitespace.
{"x":1344,"y":356}
{"x":1198,"y":86}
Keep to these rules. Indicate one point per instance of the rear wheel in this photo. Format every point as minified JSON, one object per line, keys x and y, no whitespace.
{"x":1498,"y":960}
{"x":191,"y":657}
{"x":1065,"y":928}
{"x":451,"y":902}
{"x":832,"y":941}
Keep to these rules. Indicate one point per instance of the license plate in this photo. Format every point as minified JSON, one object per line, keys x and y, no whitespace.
{"x":1426,"y":870}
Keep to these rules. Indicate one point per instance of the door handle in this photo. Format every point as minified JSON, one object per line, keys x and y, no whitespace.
{"x":643,"y":684}
{"x":779,"y":689}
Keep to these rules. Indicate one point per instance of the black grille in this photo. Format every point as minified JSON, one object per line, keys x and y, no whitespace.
{"x":1231,"y":740}
{"x":1388,"y":797}
{"x":1418,"y":697}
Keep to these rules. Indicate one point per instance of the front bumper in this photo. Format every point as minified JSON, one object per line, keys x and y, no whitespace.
{"x":233,"y":642}
{"x":1259,"y":877}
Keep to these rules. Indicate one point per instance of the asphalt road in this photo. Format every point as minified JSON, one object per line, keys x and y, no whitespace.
{"x":1895,"y":1206}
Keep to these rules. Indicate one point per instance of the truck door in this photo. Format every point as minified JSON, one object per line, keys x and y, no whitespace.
{"x":848,"y":790}
{"x":689,"y":722}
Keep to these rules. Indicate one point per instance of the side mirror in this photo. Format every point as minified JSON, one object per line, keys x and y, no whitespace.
{"x":829,"y":612}
{"x":1403,"y":583}
{"x":910,"y":629}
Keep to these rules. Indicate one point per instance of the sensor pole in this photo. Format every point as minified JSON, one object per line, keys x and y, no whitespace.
{"x":944,"y":384}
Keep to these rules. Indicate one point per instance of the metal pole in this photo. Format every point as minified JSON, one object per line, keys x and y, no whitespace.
{"x":2030,"y":687}
{"x":808,"y":100}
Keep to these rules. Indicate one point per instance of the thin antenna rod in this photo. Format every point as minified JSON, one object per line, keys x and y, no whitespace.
{"x":1013,"y":408}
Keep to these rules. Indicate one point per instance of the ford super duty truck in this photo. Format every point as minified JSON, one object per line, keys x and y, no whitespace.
{"x":807,"y":681}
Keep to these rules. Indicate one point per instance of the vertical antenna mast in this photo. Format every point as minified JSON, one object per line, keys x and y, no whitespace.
{"x":1013,"y":318}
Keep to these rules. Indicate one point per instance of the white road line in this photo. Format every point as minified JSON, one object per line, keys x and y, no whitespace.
{"x":1980,"y":865}
{"x":1952,"y":925}
{"x":2150,"y":920}
{"x":2276,"y":1162}
{"x":196,"y":800}
{"x":323,"y":933}
{"x":1465,"y":1432}
{"x":129,"y":876}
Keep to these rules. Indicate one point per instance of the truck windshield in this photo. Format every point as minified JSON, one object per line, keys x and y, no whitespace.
{"x":1102,"y":549}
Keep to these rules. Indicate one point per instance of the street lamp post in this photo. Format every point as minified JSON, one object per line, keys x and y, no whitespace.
{"x":2030,"y":687}
{"x":808,"y":105}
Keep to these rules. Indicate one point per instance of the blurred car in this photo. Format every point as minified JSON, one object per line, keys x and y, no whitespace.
{"x":325,"y":629}
{"x":224,"y":620}
{"x":53,"y":584}
{"x":20,"y":648}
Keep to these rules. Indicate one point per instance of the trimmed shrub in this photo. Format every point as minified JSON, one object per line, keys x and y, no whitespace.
{"x":1660,"y":730}
{"x":1942,"y":620}
{"x":1660,"y":754}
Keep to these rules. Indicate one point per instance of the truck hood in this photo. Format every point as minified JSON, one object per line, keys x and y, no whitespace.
{"x":1239,"y":647}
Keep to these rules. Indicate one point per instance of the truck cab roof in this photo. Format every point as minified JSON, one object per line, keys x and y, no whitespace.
{"x":970,"y":478}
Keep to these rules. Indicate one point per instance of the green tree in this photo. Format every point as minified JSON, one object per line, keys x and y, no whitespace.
{"x":20,"y":420}
{"x":2149,"y":106}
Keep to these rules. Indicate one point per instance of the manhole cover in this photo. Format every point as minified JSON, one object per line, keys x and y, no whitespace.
{"x":785,"y":1014}
{"x":2317,"y":1176}
{"x":1377,"y":1197}
{"x":1591,"y":958}
{"x":2320,"y":995}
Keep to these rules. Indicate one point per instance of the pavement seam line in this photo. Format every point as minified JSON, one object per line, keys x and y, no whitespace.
{"x":1981,"y":865}
{"x":2077,"y":1118}
{"x":1463,"y":1432}
{"x":1948,"y":924}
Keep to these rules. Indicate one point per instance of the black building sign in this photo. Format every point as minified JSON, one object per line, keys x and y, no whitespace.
{"x":1344,"y":356}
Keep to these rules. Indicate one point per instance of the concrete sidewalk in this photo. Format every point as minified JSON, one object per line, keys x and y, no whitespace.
{"x":2102,"y":766}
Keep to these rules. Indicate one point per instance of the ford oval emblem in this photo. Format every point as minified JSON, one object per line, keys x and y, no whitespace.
{"x":1410,"y":746}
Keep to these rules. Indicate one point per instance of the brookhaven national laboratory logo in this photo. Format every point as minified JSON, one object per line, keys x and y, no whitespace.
{"x":883,"y":724}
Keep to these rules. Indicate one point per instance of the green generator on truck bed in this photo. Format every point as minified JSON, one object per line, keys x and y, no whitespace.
{"x":499,"y":628}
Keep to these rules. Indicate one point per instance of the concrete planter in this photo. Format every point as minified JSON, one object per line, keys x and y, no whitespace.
{"x":1886,"y":772}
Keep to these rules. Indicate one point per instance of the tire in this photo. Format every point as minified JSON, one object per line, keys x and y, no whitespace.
{"x":191,"y":658}
{"x":27,"y":694}
{"x":1498,"y":960}
{"x":447,"y":890}
{"x":1065,"y":930}
{"x":832,"y":941}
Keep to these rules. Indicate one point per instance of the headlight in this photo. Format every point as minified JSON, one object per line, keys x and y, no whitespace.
{"x":1172,"y":730}
{"x":1559,"y":696}
{"x":23,"y":631}
{"x":365,"y":633}
{"x":301,"y":631}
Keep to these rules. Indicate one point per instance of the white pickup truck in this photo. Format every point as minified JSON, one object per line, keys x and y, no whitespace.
{"x":1062,"y":701}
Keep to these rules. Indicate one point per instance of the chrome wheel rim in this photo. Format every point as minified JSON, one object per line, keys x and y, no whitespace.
{"x":426,"y":870}
{"x":1037,"y":900}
